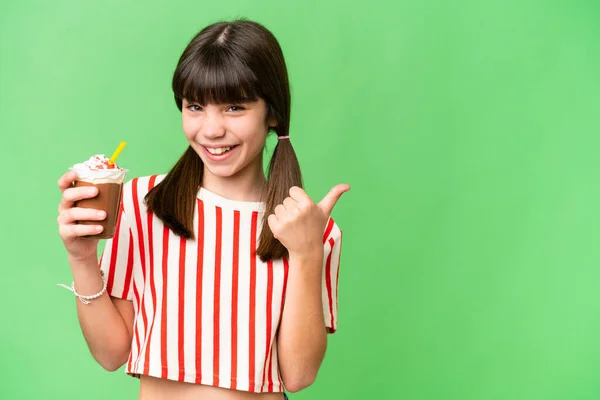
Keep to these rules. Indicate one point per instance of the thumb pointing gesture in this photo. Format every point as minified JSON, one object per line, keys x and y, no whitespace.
{"x":329,"y":201}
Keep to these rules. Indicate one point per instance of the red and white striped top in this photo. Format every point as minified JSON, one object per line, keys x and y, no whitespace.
{"x":206,"y":310}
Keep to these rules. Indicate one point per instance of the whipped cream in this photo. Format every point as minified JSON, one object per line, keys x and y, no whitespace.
{"x":97,"y":168}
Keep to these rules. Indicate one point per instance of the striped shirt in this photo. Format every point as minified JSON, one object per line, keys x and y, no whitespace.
{"x":206,"y":310}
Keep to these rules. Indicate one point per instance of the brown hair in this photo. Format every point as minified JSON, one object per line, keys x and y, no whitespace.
{"x":230,"y":62}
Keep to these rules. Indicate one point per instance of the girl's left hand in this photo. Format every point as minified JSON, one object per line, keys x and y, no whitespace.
{"x":299,"y":222}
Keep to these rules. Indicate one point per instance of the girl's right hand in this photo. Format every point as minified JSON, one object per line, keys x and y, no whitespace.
{"x":79,"y":247}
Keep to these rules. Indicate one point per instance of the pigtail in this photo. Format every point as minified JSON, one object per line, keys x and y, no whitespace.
{"x":173,"y":200}
{"x":283,"y":173}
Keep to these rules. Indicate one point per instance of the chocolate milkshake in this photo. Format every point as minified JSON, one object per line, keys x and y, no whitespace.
{"x":108,"y":178}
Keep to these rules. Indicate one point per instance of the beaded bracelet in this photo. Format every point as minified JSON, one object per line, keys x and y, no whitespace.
{"x":87,"y":299}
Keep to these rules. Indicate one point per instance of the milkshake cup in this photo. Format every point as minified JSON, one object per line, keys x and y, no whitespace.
{"x":108,"y":178}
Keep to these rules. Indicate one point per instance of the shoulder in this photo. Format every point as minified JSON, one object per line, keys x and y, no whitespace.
{"x":140,"y":186}
{"x":136,"y":189}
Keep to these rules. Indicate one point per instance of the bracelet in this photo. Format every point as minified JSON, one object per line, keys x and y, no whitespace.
{"x":87,"y":299}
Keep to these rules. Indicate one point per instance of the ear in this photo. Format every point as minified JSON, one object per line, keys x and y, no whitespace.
{"x":271,"y":120}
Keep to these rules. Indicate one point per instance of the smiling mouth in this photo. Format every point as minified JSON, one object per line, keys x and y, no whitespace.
{"x":220,"y":150}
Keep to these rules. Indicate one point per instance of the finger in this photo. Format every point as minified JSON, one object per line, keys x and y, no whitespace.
{"x":71,"y":215}
{"x":280,"y":211}
{"x":291,"y":205}
{"x":80,"y":193}
{"x":329,"y":201}
{"x":64,"y":205}
{"x":300,"y":196}
{"x":274,"y":224}
{"x":73,"y":194}
{"x":74,"y":230}
{"x":66,"y":181}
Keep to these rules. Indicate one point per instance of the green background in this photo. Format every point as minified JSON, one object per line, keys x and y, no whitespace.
{"x":467,"y":129}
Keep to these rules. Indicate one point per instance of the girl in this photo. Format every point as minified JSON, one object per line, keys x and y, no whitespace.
{"x":221,"y":283}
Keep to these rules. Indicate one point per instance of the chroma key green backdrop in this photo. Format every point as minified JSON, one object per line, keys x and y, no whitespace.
{"x":468,"y":129}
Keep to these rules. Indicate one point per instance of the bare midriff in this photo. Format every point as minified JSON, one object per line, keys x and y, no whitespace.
{"x":160,"y":389}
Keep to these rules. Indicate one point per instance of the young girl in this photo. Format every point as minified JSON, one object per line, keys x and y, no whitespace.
{"x":221,"y":282}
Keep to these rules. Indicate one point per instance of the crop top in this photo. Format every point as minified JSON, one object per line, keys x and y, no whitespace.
{"x":207,"y":309}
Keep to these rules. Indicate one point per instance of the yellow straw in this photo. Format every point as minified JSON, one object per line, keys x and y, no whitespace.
{"x":116,"y":153}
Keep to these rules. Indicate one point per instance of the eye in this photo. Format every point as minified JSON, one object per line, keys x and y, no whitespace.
{"x":236,"y":108}
{"x":194,"y":107}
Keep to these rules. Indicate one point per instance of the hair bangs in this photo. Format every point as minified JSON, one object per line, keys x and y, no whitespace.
{"x":214,"y":78}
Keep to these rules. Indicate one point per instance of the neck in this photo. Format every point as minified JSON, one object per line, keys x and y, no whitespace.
{"x":248,"y":184}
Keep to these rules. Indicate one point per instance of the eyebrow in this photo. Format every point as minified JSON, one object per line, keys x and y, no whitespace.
{"x":184,"y":100}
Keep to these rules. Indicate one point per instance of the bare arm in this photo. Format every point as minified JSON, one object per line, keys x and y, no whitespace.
{"x":107,"y":325}
{"x":299,"y":223}
{"x":302,"y":338}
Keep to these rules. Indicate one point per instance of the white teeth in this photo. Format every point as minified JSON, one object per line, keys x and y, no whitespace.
{"x":218,"y":151}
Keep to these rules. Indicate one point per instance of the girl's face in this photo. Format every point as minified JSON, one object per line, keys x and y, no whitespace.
{"x":227,"y":137}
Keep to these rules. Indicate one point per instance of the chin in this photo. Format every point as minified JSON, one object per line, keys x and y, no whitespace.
{"x":221,"y":172}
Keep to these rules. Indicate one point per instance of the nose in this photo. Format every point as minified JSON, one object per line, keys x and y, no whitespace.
{"x":214,"y":126}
